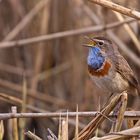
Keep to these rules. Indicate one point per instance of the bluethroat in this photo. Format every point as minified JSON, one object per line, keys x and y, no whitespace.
{"x":108,"y":68}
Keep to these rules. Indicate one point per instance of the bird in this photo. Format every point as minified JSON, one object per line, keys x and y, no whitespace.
{"x":108,"y":68}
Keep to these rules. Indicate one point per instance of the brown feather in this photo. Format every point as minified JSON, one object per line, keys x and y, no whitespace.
{"x":102,"y":72}
{"x":126,"y":72}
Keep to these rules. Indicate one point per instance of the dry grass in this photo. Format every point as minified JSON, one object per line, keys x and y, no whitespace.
{"x":43,"y":70}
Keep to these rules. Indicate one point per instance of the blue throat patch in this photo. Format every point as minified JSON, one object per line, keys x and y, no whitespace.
{"x":95,"y":59}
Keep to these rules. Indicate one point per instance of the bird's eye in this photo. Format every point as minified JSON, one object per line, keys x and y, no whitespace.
{"x":100,"y":43}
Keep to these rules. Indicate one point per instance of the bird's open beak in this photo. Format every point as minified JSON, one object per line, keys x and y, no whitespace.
{"x":88,"y":45}
{"x":92,"y":42}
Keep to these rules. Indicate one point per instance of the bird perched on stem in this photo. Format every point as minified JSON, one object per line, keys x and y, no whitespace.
{"x":108,"y":68}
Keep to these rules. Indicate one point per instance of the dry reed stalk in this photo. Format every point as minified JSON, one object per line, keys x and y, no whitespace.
{"x":1,"y":130}
{"x":76,"y":124}
{"x":39,"y":96}
{"x":17,"y":8}
{"x":25,"y":42}
{"x":118,"y":8}
{"x":54,"y":71}
{"x":122,"y":135}
{"x":94,"y":124}
{"x":64,"y":128}
{"x":22,"y":122}
{"x":26,"y":20}
{"x":40,"y":50}
{"x":10,"y":127}
{"x":51,"y":135}
{"x":18,"y":102}
{"x":122,"y":109}
{"x":24,"y":95}
{"x":15,"y":70}
{"x":14,"y":124}
{"x":129,"y":31}
{"x":88,"y":11}
{"x":60,"y":128}
{"x":32,"y":136}
{"x":134,"y":115}
{"x":138,"y":123}
{"x":10,"y":99}
{"x":130,"y":124}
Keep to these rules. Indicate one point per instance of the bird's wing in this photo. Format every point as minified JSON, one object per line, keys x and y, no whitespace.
{"x":125,"y":71}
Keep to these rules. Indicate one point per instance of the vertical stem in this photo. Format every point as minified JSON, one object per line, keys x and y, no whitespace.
{"x":1,"y":130}
{"x":121,"y":112}
{"x":14,"y":124}
{"x":22,"y":121}
{"x":77,"y":124}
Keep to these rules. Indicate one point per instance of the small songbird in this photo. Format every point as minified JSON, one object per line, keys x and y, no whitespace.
{"x":108,"y":68}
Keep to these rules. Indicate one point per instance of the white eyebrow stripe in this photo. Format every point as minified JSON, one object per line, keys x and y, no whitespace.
{"x":99,"y":40}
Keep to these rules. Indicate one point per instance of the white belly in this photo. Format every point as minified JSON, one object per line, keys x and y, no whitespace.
{"x":112,"y":83}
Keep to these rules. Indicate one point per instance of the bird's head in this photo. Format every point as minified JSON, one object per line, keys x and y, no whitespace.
{"x":99,"y":47}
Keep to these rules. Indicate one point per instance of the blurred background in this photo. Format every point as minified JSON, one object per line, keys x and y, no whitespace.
{"x":51,"y":75}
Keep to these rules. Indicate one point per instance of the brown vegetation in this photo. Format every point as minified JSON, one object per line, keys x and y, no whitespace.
{"x":43,"y":67}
